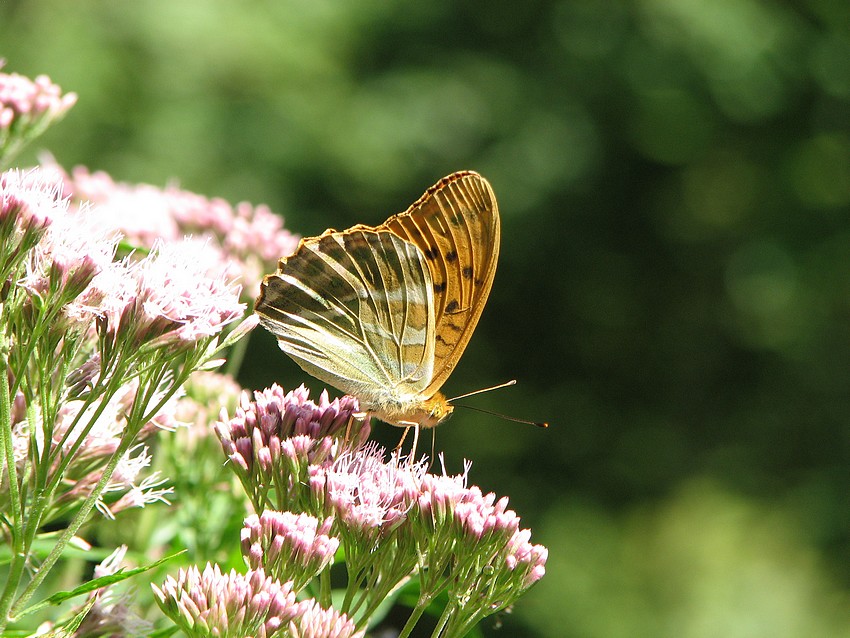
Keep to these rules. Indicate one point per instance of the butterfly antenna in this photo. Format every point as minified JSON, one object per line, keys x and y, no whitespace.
{"x":495,"y":387}
{"x":539,"y":424}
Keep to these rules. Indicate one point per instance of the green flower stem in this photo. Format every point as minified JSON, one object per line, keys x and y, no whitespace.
{"x":431,"y":582}
{"x":443,"y":621}
{"x":325,"y":588}
{"x":67,"y":457}
{"x":356,"y":567}
{"x":24,"y":477}
{"x":415,"y":615}
{"x":74,"y":526}
{"x":464,"y":627}
{"x":127,"y":440}
{"x":354,"y":581}
{"x":388,"y":579}
{"x":18,"y":559}
{"x":235,"y":357}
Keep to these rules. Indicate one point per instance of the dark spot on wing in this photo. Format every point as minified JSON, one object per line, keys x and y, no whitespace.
{"x":438,"y":288}
{"x":452,"y":306}
{"x":467,"y":272}
{"x":451,"y":256}
{"x":431,"y":253}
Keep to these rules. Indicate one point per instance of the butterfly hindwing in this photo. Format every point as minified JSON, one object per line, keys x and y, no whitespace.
{"x":355,"y":309}
{"x":456,"y":226}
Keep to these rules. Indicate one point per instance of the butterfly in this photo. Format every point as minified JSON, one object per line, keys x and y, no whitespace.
{"x":384,"y":313}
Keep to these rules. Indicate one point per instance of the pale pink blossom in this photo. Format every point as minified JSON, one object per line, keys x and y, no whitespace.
{"x":212,"y":603}
{"x":315,"y":622}
{"x":34,"y":198}
{"x":34,"y":98}
{"x":27,"y":108}
{"x":368,"y":497}
{"x":251,"y":238}
{"x":272,"y":440}
{"x":288,"y":546}
{"x":185,"y":293}
{"x":393,"y":518}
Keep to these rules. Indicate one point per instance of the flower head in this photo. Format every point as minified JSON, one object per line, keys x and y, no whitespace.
{"x":31,"y":198}
{"x":272,"y":441}
{"x":212,"y":603}
{"x":288,"y":546}
{"x":316,"y":622}
{"x":251,"y":238}
{"x":68,"y":267}
{"x":30,"y":202}
{"x":369,"y":498}
{"x":183,"y":292}
{"x":27,"y":108}
{"x":478,"y":541}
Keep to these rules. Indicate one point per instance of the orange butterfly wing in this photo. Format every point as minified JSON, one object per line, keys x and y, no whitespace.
{"x":456,"y":225}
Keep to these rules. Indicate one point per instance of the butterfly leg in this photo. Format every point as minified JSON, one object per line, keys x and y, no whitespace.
{"x":415,"y":442}
{"x":397,"y":449}
{"x":412,"y":455}
{"x":348,"y":428}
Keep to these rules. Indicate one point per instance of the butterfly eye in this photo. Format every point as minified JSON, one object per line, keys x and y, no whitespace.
{"x":441,"y":412}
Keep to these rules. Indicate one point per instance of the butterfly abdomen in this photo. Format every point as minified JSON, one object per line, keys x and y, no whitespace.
{"x":407,"y":411}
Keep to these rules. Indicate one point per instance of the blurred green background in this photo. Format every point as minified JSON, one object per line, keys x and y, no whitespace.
{"x":673,"y":292}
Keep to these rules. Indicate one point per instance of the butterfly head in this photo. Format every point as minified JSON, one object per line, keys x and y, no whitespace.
{"x":438,"y":409}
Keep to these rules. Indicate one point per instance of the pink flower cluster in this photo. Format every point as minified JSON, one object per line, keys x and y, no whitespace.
{"x":250,"y":238}
{"x":30,"y":199}
{"x":179,"y":293}
{"x":70,"y":308}
{"x":290,"y":547}
{"x":476,"y":524}
{"x":369,"y":497}
{"x":20,"y":96}
{"x":212,"y":603}
{"x":174,"y":295}
{"x":272,"y":441}
{"x":374,"y":502}
{"x":393,"y":518}
{"x":27,"y":108}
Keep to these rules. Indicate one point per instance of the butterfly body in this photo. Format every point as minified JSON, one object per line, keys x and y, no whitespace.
{"x":383,"y":313}
{"x":410,"y":410}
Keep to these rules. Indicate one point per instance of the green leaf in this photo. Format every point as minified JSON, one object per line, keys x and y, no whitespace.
{"x":67,"y":630}
{"x":97,"y":583}
{"x":105,"y":581}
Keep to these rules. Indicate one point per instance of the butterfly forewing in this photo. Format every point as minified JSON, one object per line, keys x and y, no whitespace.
{"x":456,"y":226}
{"x":355,"y":309}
